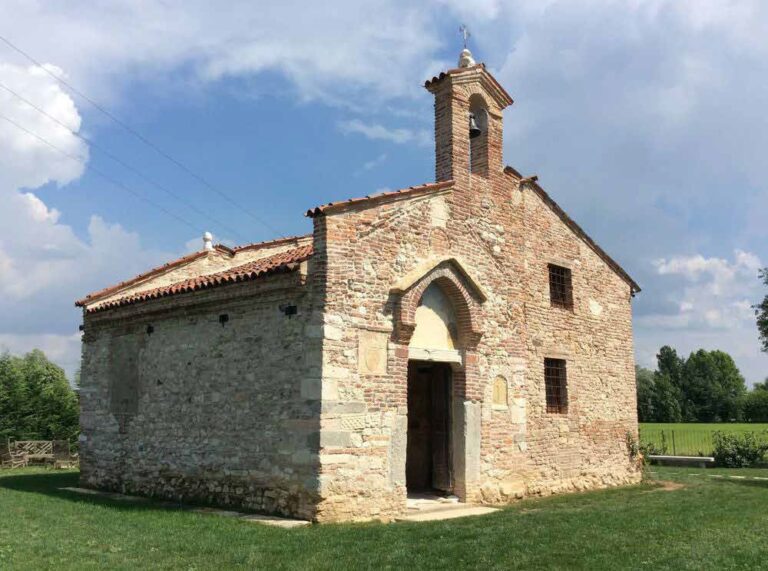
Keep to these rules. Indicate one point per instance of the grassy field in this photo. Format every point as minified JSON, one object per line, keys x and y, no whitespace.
{"x":704,"y":427}
{"x":691,"y":439}
{"x":694,"y":522}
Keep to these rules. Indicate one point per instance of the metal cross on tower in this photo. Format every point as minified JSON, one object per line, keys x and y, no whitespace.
{"x":464,"y":31}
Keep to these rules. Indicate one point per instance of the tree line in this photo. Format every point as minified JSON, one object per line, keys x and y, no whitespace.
{"x":705,"y":387}
{"x":36,"y":400}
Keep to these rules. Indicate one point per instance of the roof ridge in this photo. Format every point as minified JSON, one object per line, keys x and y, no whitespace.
{"x":571,"y":223}
{"x":221,"y":248}
{"x":273,"y":242}
{"x":167,"y":266}
{"x":285,"y":260}
{"x":324,"y":208}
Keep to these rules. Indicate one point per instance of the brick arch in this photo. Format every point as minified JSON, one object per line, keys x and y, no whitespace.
{"x":465,"y":301}
{"x":475,"y":91}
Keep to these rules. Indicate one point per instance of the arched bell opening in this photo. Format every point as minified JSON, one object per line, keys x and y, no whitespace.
{"x":478,"y":135}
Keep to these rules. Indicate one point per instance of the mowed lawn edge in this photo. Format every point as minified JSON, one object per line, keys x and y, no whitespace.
{"x":706,"y":426}
{"x":699,"y":523}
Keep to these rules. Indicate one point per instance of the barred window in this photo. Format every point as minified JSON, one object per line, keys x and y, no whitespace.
{"x":560,"y":287}
{"x":556,"y":385}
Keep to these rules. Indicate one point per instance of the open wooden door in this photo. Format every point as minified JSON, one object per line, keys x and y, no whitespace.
{"x":428,"y":464}
{"x":441,"y":429}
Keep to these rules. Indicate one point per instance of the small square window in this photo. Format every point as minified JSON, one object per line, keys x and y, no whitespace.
{"x":556,"y":385}
{"x":560,"y":287}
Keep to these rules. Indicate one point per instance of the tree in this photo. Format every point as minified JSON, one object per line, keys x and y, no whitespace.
{"x":645,"y":394}
{"x":36,"y":400}
{"x":669,"y":378}
{"x":713,"y":387}
{"x":669,"y":364}
{"x":761,"y":311}
{"x":761,"y":386}
{"x":755,"y":405}
{"x":12,"y":396}
{"x":666,"y":400}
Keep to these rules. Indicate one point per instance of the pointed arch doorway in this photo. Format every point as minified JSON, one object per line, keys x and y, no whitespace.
{"x":433,"y":346}
{"x":437,"y":329}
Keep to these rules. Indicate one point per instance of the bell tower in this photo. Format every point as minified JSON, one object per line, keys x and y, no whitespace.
{"x":468,"y":121}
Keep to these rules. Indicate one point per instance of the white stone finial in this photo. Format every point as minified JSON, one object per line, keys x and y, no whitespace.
{"x":466,"y":59}
{"x":207,"y":241}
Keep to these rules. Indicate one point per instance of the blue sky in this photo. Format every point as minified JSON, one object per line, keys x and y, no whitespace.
{"x":644,"y":119}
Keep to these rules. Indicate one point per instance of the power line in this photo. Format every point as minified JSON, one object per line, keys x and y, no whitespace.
{"x":121,"y":162}
{"x":101,"y":174}
{"x":141,"y":137}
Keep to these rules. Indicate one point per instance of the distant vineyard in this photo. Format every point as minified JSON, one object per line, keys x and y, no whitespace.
{"x":690,"y":439}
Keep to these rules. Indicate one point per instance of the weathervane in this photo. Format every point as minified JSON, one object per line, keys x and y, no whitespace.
{"x":464,"y":31}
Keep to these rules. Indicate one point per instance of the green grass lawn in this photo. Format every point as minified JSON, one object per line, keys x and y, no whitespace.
{"x":706,"y":523}
{"x":691,"y":439}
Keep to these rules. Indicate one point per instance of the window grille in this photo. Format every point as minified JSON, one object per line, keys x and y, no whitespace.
{"x":556,"y":385}
{"x":560,"y":287}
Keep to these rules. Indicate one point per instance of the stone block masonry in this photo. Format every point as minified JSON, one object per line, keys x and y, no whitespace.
{"x":200,"y":410}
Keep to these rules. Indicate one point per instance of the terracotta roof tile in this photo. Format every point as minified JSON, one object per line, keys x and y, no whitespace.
{"x":443,"y":74}
{"x":142,"y":276}
{"x":181,"y":261}
{"x":276,"y":263}
{"x":480,"y":66}
{"x":325,"y":208}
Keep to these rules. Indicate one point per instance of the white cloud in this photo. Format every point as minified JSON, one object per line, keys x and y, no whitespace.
{"x":337,"y":53}
{"x":378,"y":132}
{"x":22,"y":154}
{"x":44,"y":265}
{"x":64,"y":349}
{"x":373,"y":163}
{"x":720,"y":277}
{"x":713,"y":309}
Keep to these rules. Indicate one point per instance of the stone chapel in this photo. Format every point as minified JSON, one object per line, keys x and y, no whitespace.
{"x":463,"y":338}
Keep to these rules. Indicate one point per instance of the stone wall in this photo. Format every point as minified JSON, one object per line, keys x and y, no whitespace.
{"x":505,"y":234}
{"x":200,"y":410}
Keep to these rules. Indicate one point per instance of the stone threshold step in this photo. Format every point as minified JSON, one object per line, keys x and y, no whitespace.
{"x":439,"y":508}
{"x":275,"y":521}
{"x":447,"y":513}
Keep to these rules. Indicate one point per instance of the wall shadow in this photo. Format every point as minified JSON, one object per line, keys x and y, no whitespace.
{"x":52,"y":484}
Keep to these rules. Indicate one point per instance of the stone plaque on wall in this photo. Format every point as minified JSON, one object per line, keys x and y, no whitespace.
{"x":500,"y":391}
{"x":372,"y":353}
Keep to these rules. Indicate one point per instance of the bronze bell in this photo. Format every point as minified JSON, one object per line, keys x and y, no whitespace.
{"x":474,"y":130}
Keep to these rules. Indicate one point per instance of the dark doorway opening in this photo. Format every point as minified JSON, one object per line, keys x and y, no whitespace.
{"x":428,"y":453}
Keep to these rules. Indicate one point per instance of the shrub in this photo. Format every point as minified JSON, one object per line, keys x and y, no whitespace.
{"x":738,"y":450}
{"x":755,"y":406}
{"x":651,"y":449}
